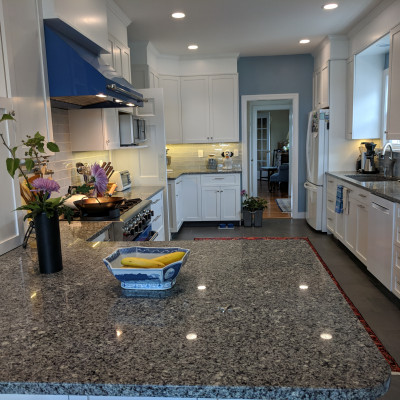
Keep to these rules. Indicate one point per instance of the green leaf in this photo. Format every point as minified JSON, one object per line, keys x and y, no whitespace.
{"x":14,"y":150}
{"x":53,"y":147}
{"x":12,"y":165}
{"x":39,"y":136}
{"x":29,"y":164}
{"x":6,"y":117}
{"x":40,"y":148}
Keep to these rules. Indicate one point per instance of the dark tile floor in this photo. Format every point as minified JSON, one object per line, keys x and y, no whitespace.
{"x":379,"y":308}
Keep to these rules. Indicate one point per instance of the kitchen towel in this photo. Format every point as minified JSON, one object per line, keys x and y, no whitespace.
{"x":339,"y":200}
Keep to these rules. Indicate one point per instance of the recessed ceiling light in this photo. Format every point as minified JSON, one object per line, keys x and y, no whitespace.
{"x":330,"y":6}
{"x":304,"y":41}
{"x":193,"y":47}
{"x":178,"y":15}
{"x":101,"y":95}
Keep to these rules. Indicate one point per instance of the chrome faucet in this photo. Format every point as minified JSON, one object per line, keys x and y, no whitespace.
{"x":388,"y":167}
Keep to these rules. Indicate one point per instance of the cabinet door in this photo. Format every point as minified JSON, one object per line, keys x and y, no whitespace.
{"x":117,"y":57}
{"x":362,"y":231}
{"x":178,"y":203}
{"x":324,"y":87}
{"x":349,"y":98}
{"x":172,"y":108}
{"x":339,"y":228}
{"x":394,"y":86}
{"x":191,"y":198}
{"x":195,"y":109}
{"x":350,"y":226}
{"x":317,"y":89}
{"x":224,"y":108}
{"x":126,"y":64}
{"x":230,"y":203}
{"x":3,"y":75}
{"x":111,"y":129}
{"x":91,"y":123}
{"x":210,"y":203}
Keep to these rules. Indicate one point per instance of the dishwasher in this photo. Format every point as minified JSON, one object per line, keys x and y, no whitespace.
{"x":380,"y":239}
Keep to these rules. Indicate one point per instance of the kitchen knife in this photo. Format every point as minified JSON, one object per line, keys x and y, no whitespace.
{"x":109,"y":175}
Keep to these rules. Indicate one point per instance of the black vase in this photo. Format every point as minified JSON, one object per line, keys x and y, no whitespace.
{"x":48,"y":243}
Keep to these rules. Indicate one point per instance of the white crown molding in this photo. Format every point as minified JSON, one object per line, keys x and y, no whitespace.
{"x":113,"y":7}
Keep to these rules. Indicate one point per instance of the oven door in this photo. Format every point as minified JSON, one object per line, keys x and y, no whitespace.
{"x":147,"y":235}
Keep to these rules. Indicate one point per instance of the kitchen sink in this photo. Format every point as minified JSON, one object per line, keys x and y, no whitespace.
{"x":371,"y":178}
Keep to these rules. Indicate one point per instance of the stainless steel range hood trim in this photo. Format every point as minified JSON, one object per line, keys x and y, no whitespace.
{"x":113,"y":87}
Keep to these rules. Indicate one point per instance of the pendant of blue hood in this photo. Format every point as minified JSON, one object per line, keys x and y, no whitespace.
{"x":79,"y":78}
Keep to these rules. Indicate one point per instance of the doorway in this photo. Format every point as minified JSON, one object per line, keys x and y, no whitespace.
{"x":260,"y":148}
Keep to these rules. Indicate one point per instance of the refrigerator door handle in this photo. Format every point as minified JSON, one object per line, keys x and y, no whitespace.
{"x":309,"y":149}
{"x":308,"y":186}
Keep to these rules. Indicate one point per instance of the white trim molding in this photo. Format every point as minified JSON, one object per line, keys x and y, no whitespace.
{"x":294,"y":143}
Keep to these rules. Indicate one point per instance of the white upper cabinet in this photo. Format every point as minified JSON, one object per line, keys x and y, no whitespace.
{"x":3,"y":63}
{"x":201,"y":109}
{"x":94,"y":129}
{"x":393,"y":127}
{"x":172,"y":108}
{"x":349,"y":98}
{"x":195,"y":109}
{"x":88,"y":17}
{"x":224,"y":104}
{"x":321,"y":87}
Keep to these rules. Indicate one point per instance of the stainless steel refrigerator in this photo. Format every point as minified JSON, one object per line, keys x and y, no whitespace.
{"x":317,"y":165}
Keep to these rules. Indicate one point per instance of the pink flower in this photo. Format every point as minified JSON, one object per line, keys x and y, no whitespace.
{"x":99,"y":178}
{"x":45,"y":185}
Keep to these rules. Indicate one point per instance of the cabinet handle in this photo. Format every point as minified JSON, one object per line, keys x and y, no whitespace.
{"x":330,"y":219}
{"x":330,"y":201}
{"x":155,"y":219}
{"x":362,"y":195}
{"x":155,"y":202}
{"x":215,"y":179}
{"x":221,"y":191}
{"x":178,"y":182}
{"x":330,"y":181}
{"x":359,"y":205}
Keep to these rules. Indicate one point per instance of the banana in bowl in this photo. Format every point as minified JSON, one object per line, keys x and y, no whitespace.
{"x":146,"y":268}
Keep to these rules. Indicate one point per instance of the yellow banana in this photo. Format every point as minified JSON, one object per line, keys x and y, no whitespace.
{"x":170,"y":258}
{"x":137,"y":262}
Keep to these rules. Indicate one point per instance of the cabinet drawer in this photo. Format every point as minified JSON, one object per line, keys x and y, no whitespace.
{"x":396,"y":271}
{"x":331,"y":185}
{"x":157,"y":203}
{"x":219,"y":179}
{"x":330,"y":220}
{"x":359,"y":194}
{"x":330,"y":202}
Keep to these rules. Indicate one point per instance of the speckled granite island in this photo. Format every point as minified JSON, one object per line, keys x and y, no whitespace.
{"x":257,"y":334}
{"x":177,"y":172}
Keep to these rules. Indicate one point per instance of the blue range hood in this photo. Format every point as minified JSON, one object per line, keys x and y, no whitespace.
{"x":77,"y":77}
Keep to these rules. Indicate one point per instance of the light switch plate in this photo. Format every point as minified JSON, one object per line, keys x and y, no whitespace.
{"x":199,"y":153}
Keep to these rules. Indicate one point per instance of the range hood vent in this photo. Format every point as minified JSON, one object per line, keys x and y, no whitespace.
{"x":78,"y":77}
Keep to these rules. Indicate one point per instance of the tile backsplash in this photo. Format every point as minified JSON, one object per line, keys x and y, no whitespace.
{"x":187,"y":155}
{"x":63,"y":163}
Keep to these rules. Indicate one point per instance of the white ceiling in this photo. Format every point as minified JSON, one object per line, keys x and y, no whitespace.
{"x":244,"y":27}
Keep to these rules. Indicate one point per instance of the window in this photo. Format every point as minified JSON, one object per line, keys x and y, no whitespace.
{"x":263,"y":145}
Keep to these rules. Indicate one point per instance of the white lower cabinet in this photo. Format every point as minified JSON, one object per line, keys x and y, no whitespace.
{"x":157,"y":220}
{"x":361,"y":245}
{"x":191,"y":197}
{"x":175,"y":204}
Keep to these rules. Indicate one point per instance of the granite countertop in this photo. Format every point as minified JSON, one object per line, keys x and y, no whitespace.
{"x":142,"y":192}
{"x":78,"y":332}
{"x":177,"y":172}
{"x":389,"y":189}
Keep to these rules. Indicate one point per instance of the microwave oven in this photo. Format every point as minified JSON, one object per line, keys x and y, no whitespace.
{"x":122,"y":179}
{"x":132,"y":130}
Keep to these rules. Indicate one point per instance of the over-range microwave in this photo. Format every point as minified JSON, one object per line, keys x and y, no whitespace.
{"x":132,"y":130}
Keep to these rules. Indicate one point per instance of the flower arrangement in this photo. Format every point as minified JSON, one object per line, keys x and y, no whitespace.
{"x":253,"y":203}
{"x":39,"y":189}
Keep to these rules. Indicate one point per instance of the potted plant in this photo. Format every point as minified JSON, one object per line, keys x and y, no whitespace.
{"x":36,"y":191}
{"x":252,"y":209}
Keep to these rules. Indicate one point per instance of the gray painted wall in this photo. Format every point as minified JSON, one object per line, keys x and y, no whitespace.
{"x":276,"y":75}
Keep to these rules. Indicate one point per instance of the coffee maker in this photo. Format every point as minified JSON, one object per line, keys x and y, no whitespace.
{"x":369,"y":158}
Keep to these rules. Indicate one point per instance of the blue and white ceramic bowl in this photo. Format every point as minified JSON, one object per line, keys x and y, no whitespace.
{"x":145,"y":278}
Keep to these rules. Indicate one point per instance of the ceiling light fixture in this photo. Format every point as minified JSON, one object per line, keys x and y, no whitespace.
{"x":101,"y":95}
{"x":330,"y":6}
{"x":193,"y":47}
{"x":304,"y":41}
{"x":178,"y":15}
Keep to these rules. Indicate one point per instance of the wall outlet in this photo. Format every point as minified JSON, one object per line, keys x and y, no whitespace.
{"x":199,"y":153}
{"x":236,"y":152}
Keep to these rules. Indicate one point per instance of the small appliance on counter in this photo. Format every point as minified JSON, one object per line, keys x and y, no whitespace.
{"x":369,"y":159}
{"x":211,"y":162}
{"x":123,"y":180}
{"x":168,"y":160}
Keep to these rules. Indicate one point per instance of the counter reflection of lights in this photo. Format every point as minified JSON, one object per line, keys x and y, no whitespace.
{"x":178,"y":15}
{"x":303,"y":287}
{"x":191,"y":336}
{"x":326,"y":336}
{"x":33,"y":295}
{"x":119,"y":333}
{"x":95,"y":244}
{"x":330,"y":6}
{"x":101,"y":95}
{"x":201,"y":287}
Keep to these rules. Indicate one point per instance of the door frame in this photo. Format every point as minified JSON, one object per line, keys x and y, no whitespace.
{"x":294,"y":142}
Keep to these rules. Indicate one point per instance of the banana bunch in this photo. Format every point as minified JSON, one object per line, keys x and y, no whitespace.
{"x":158,"y":262}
